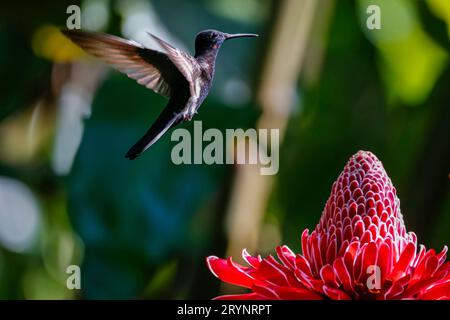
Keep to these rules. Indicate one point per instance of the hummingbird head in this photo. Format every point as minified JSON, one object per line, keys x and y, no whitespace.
{"x":211,"y":40}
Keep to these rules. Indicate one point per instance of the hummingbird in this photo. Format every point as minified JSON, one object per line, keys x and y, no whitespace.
{"x":182,"y":78}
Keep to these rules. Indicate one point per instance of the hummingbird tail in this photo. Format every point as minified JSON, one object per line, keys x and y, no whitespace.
{"x":165,"y":121}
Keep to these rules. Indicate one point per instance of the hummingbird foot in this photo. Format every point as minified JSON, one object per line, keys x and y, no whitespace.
{"x":189,"y":115}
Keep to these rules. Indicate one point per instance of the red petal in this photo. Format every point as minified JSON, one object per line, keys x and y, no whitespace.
{"x":323,"y":244}
{"x":305,"y":246}
{"x":369,"y":258}
{"x":393,"y":292}
{"x":265,"y":291}
{"x":403,"y":263}
{"x":384,"y":261}
{"x":271,"y":270}
{"x":328,"y":276}
{"x":421,"y":254}
{"x":343,"y":274}
{"x":252,"y":261}
{"x":353,"y":248}
{"x":246,"y":296}
{"x":331,"y":251}
{"x":335,"y":294}
{"x":443,"y":254}
{"x":358,"y":228}
{"x":366,"y":237}
{"x":289,"y":293}
{"x":317,"y":258}
{"x":286,"y":256}
{"x":228,"y":271}
{"x":309,"y":282}
{"x":303,"y":265}
{"x":424,"y":284}
{"x":357,"y":266}
{"x":440,"y":291}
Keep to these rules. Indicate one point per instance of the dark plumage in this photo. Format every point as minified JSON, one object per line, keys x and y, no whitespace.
{"x":175,"y":74}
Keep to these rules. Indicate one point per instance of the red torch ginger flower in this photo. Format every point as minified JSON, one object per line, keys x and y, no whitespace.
{"x":360,"y":249}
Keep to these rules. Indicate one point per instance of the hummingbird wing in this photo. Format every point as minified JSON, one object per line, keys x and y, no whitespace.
{"x":161,"y":72}
{"x":150,"y":68}
{"x":185,"y":63}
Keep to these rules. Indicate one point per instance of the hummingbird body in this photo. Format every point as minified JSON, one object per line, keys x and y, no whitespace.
{"x":184,"y":79}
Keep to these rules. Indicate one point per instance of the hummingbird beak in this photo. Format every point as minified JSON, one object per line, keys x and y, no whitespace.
{"x":239,"y":35}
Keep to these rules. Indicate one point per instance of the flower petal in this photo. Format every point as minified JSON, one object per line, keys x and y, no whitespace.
{"x":335,"y":294}
{"x":245,"y":296}
{"x":402,"y":264}
{"x":252,"y":261}
{"x":328,"y":276}
{"x":290,"y":293}
{"x":343,"y":274}
{"x":228,"y":271}
{"x":286,"y":256}
{"x":439,"y":291}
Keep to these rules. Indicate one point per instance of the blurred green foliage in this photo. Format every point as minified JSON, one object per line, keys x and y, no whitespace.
{"x":142,"y":229}
{"x":137,"y":215}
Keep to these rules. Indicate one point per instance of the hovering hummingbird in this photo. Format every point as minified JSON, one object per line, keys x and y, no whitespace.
{"x":175,"y":74}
